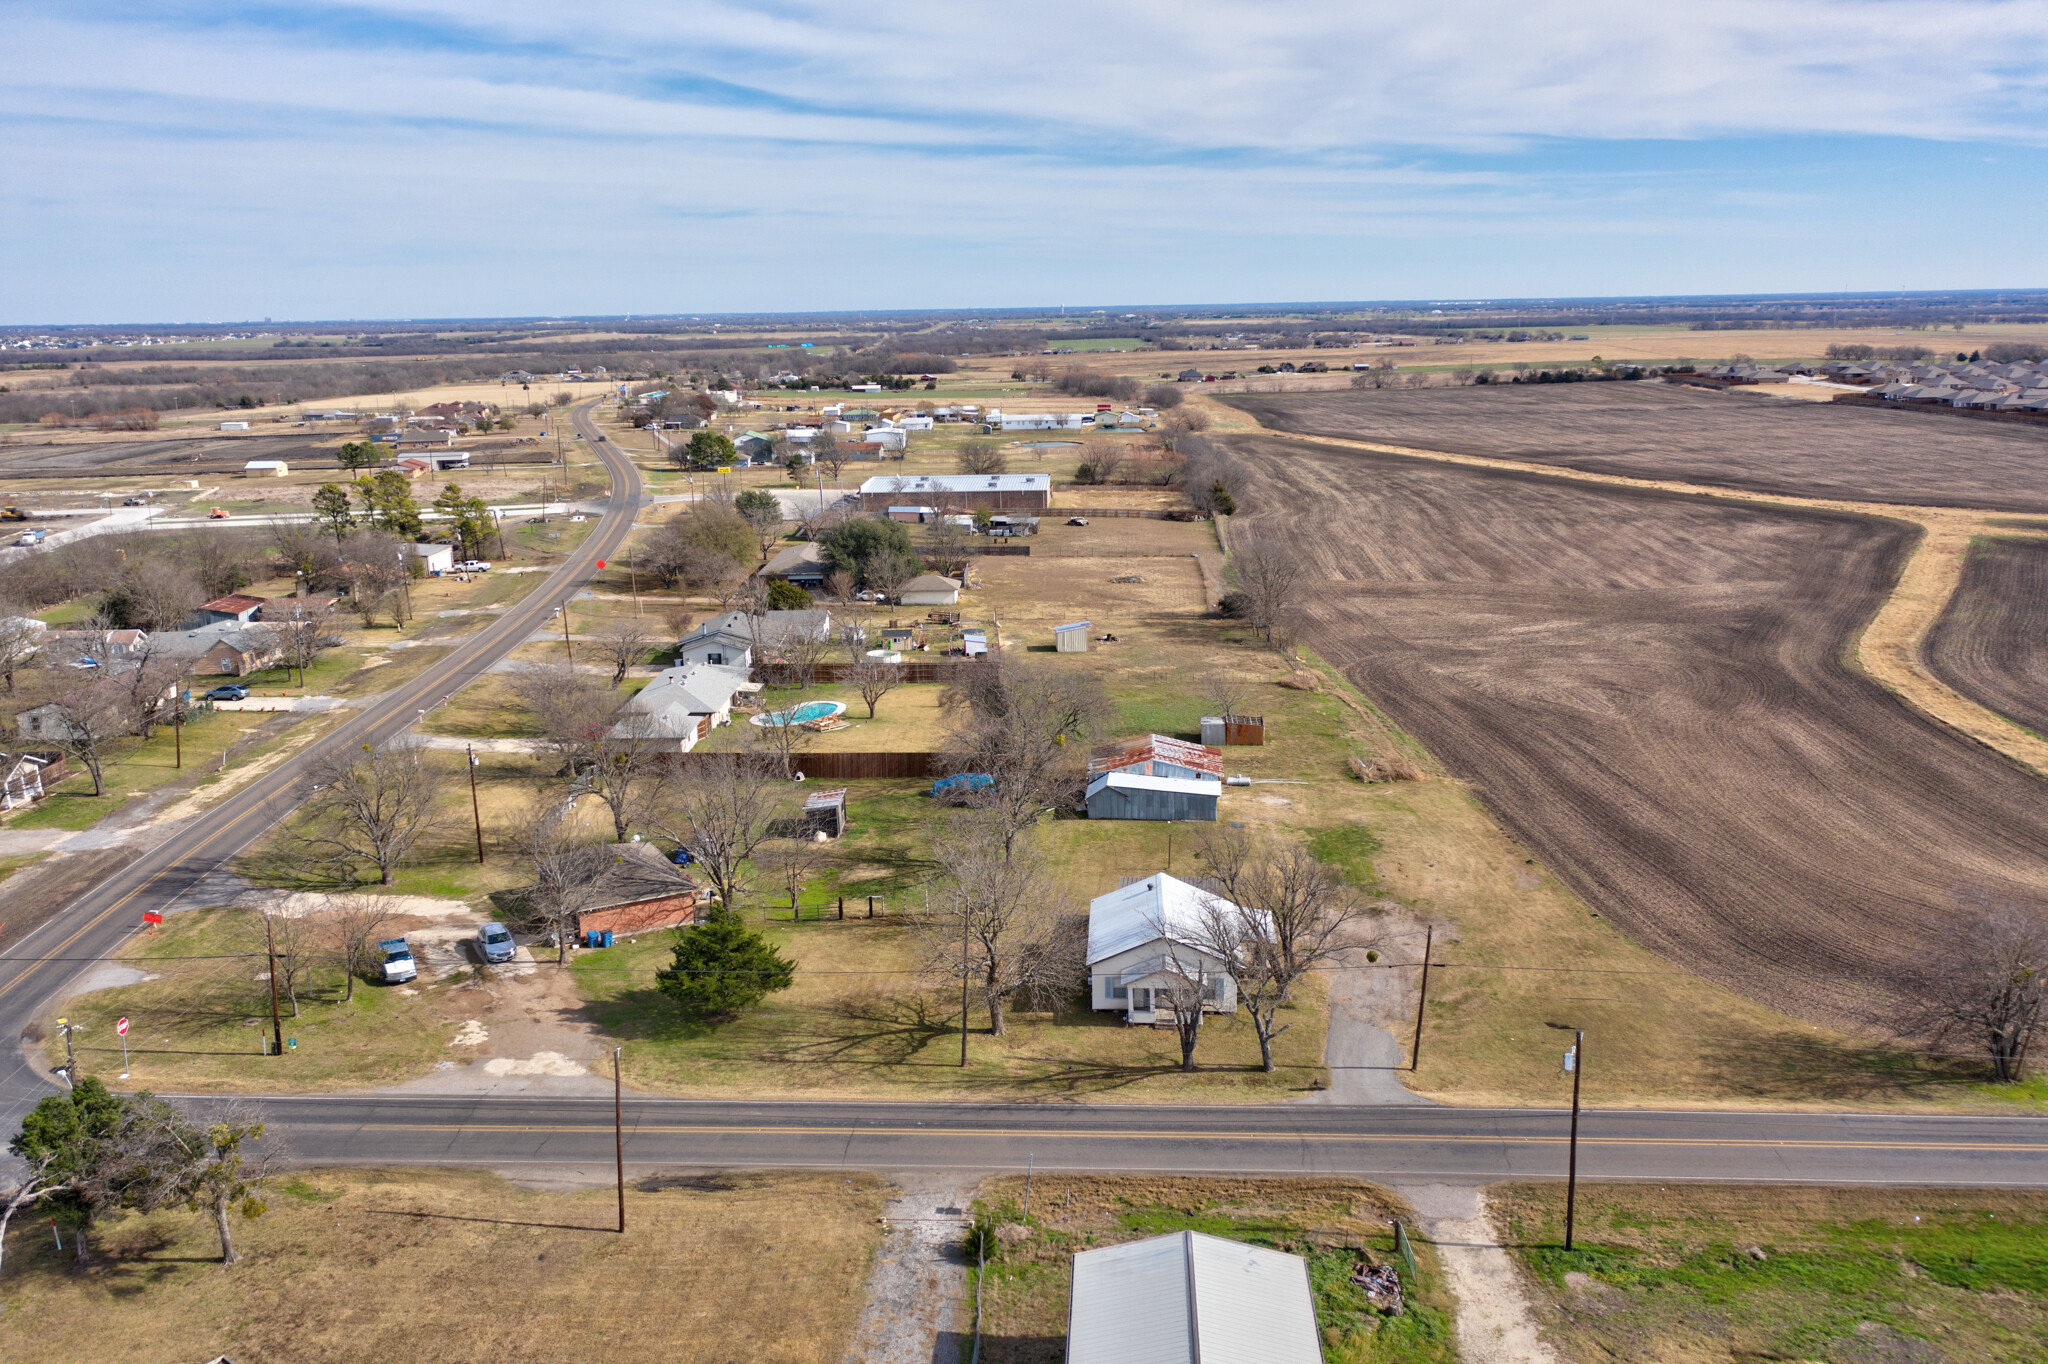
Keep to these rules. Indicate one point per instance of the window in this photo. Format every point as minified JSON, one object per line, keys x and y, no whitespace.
{"x":1119,"y":992}
{"x":715,"y":660}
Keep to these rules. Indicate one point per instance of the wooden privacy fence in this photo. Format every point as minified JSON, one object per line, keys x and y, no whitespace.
{"x":848,"y":766}
{"x":918,"y":670}
{"x":1142,"y":513}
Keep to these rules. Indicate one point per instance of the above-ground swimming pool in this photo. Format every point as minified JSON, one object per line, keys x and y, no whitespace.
{"x":804,"y":714}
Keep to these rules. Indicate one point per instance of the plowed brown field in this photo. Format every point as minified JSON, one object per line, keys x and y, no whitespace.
{"x":1649,"y":688}
{"x":1651,"y":430}
{"x":1991,"y":644}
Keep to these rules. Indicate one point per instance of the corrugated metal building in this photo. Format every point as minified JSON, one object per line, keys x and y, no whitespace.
{"x":1187,"y":1298}
{"x":1133,"y":795}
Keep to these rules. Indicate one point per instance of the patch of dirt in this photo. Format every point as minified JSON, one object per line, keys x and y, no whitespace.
{"x":1495,"y":1322}
{"x":914,"y":1293}
{"x":1991,"y":644}
{"x":1649,"y":689}
{"x":1648,"y":430}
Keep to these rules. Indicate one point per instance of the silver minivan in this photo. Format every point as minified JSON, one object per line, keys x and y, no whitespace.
{"x":494,"y":942}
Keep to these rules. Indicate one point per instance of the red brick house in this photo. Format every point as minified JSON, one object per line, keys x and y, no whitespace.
{"x":628,"y":888}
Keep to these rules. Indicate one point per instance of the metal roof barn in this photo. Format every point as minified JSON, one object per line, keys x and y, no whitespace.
{"x":1187,"y":1298}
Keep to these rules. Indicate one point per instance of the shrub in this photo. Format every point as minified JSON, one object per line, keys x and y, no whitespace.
{"x":787,"y":596}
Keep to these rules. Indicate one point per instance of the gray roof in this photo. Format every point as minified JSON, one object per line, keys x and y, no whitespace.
{"x":805,"y":559}
{"x":611,"y":874}
{"x":1187,"y":1298}
{"x":670,"y":705}
{"x":248,"y":639}
{"x":774,"y":626}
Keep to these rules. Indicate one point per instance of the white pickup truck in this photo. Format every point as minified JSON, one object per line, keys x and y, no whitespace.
{"x":398,"y":965}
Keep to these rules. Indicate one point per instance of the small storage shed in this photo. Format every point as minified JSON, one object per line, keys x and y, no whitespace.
{"x":1187,"y":1298}
{"x":1227,"y":731}
{"x":1132,"y":795}
{"x":269,"y":468}
{"x":825,"y":812}
{"x":1071,"y":639}
{"x":929,"y":589}
{"x":435,"y":558}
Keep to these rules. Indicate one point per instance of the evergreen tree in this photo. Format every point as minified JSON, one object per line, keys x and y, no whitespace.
{"x":331,"y":502}
{"x":710,"y":450}
{"x":722,"y":966}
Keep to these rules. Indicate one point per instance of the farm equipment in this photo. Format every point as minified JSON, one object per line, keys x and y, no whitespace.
{"x":216,"y":515}
{"x":13,"y":514}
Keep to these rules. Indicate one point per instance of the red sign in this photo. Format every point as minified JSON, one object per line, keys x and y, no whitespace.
{"x":122,"y":1027}
{"x":150,"y":916}
{"x":600,"y":563}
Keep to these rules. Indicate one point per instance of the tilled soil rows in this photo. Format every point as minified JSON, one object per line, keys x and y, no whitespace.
{"x":1655,"y":430}
{"x":1650,"y":689}
{"x":1991,"y":644}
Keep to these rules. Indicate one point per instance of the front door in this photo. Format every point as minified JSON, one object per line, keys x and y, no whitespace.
{"x":1141,"y":999}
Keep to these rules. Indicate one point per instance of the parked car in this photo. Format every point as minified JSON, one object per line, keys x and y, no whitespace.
{"x":132,"y":502}
{"x":473,"y":566}
{"x":398,"y":965}
{"x":494,"y":942}
{"x":231,"y":692}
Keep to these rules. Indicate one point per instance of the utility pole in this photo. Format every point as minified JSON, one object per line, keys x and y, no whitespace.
{"x":567,"y":647}
{"x":619,"y":1137}
{"x":1428,"y":942}
{"x":1571,"y":1178}
{"x":635,"y":575}
{"x":475,"y":810}
{"x":178,"y":729}
{"x":276,"y":1019}
{"x":67,"y":1027}
{"x":963,"y":977}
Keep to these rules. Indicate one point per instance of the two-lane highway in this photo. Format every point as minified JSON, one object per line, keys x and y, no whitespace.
{"x":1399,"y":1145}
{"x":35,"y":971}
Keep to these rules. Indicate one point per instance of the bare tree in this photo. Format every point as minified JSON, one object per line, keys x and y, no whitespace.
{"x":151,"y":682}
{"x":294,"y":947}
{"x":213,"y":1163}
{"x":1988,"y":985}
{"x":160,"y":596}
{"x":1020,"y":931}
{"x":981,"y":457}
{"x":793,"y":862}
{"x":41,"y":1178}
{"x":678,"y":620}
{"x":374,"y":806}
{"x":799,"y":651}
{"x":301,"y":629}
{"x":884,"y":574}
{"x":721,"y":812}
{"x":779,"y":746}
{"x":1190,"y":981}
{"x":20,"y":639}
{"x":619,"y":643}
{"x":1175,"y":430}
{"x":351,"y":933}
{"x":1017,"y":724}
{"x":1223,"y":692}
{"x":90,"y":715}
{"x":827,"y":454}
{"x":570,"y":710}
{"x":300,"y":544}
{"x":629,"y":772}
{"x":838,"y":585}
{"x":547,"y":837}
{"x":874,"y":677}
{"x":1279,"y":914}
{"x":1270,"y":578}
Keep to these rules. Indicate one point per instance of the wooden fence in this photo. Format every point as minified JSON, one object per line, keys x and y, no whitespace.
{"x":917,"y":670}
{"x":1141,"y":513}
{"x":850,"y":766}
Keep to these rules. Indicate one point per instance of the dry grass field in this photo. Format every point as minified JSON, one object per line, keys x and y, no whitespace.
{"x":1991,"y":644}
{"x":1663,"y":431}
{"x":457,"y":1265}
{"x":1650,"y":689}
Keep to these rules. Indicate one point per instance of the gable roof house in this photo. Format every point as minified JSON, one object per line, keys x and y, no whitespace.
{"x":226,"y":648}
{"x":681,"y":706}
{"x":803,"y":565}
{"x":738,"y":640}
{"x":1144,"y":939}
{"x":235,"y":607}
{"x":21,"y":777}
{"x":958,"y":492}
{"x":627,"y":888}
{"x":1190,"y":1298}
{"x":929,"y":589}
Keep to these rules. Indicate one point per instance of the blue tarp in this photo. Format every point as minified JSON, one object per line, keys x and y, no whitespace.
{"x":964,"y":781}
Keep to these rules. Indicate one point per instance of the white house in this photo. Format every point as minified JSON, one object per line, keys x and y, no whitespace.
{"x":1136,"y":936}
{"x":887,"y":437}
{"x":682,"y":706}
{"x":929,"y":589}
{"x":915,"y":423}
{"x":1042,"y":421}
{"x":1191,"y":1298}
{"x":434,"y":558}
{"x":270,"y":468}
{"x":733,"y":639}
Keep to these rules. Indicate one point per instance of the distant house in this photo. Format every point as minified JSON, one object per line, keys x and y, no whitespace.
{"x":915,"y":516}
{"x":45,"y":722}
{"x":803,"y":565}
{"x":271,"y":468}
{"x":958,"y":492}
{"x":425,"y":437}
{"x":234,"y":607}
{"x":1156,"y":755}
{"x":1149,"y":937}
{"x":1193,"y":1299}
{"x":681,"y":706}
{"x":1042,"y":421}
{"x":434,"y":558}
{"x":627,"y":888}
{"x":738,"y":640}
{"x":224,"y":649}
{"x":929,"y":589}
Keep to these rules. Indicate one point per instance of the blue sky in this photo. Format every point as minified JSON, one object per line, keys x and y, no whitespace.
{"x":193,"y":162}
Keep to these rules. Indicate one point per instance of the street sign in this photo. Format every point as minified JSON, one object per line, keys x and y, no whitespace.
{"x":122,"y":1027}
{"x":150,"y":916}
{"x":600,"y":563}
{"x":1571,"y":1059}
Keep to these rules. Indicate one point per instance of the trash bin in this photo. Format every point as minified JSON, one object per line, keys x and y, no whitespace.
{"x":607,"y":938}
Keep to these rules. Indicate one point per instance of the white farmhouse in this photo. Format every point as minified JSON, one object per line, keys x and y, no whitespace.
{"x":1145,"y":938}
{"x":681,"y":706}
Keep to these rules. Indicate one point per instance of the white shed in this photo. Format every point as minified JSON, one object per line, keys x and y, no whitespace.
{"x":272,"y":468}
{"x":435,"y":558}
{"x":1145,"y":938}
{"x":1071,"y":639}
{"x":1188,"y":1298}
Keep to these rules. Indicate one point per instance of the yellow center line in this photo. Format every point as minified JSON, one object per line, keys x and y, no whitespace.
{"x":1464,"y":1139}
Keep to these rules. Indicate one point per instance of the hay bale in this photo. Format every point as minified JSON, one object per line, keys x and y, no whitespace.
{"x":1128,"y":578}
{"x":1396,"y":768}
{"x":1302,"y":681}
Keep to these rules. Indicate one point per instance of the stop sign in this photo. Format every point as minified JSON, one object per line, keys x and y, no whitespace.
{"x":122,"y":1027}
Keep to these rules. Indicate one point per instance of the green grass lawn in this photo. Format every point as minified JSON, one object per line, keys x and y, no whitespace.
{"x":1694,"y":1272}
{"x":198,"y":1022}
{"x":1333,"y":1224}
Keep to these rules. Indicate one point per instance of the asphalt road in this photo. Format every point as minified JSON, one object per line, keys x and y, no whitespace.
{"x":36,"y":972}
{"x":1398,"y":1145}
